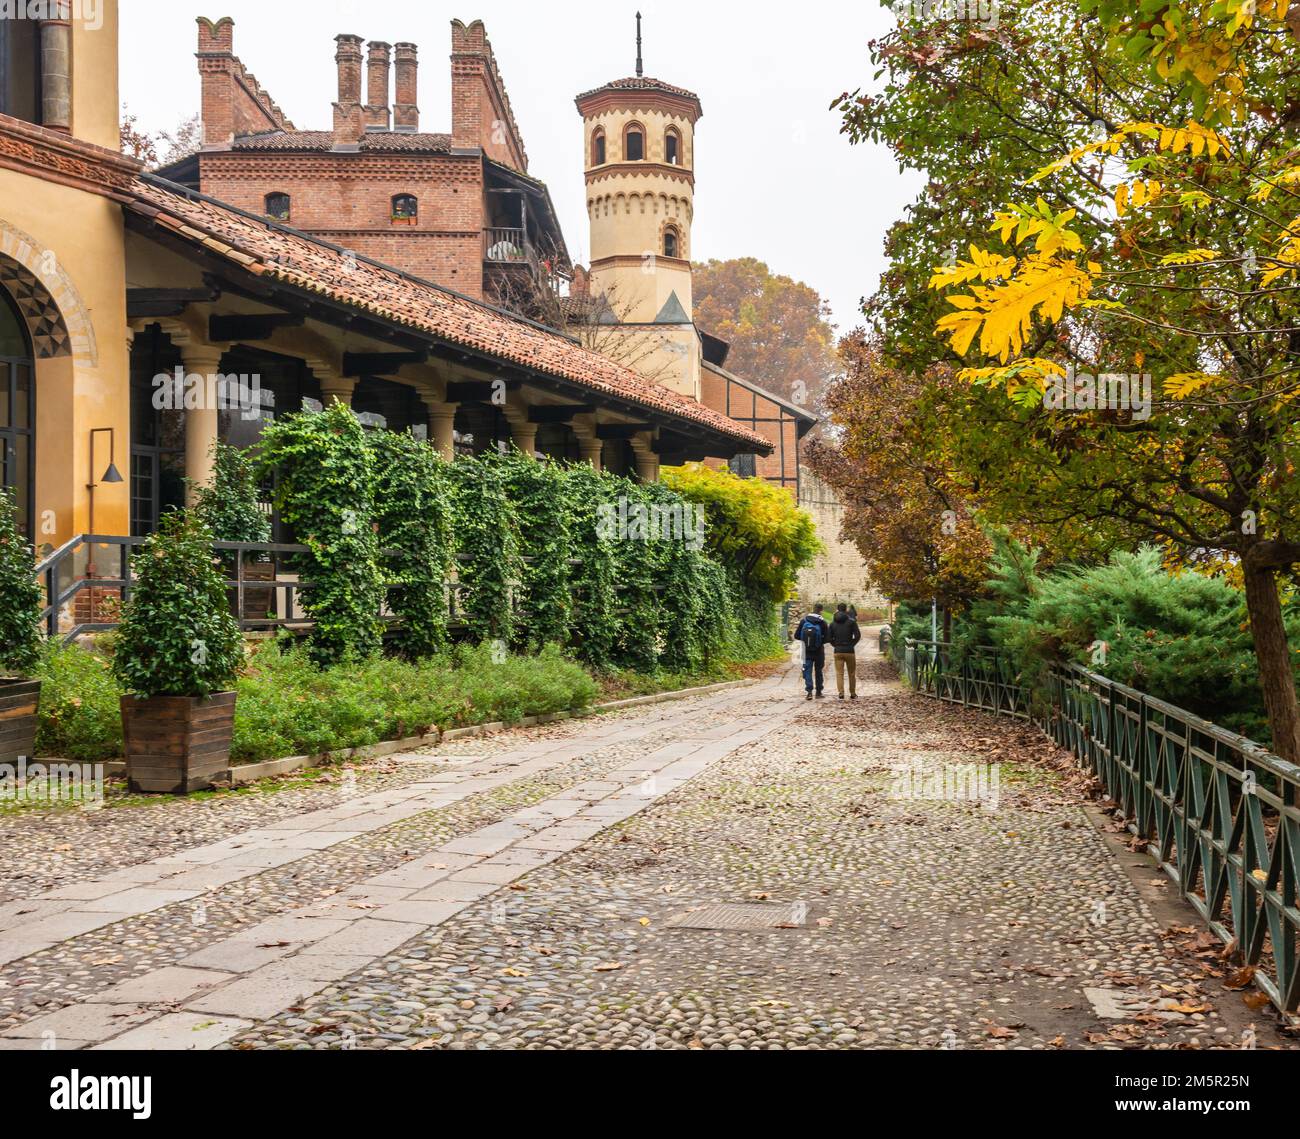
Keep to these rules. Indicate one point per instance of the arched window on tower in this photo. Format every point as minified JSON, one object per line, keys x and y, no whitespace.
{"x":277,"y":206}
{"x":406,"y":209}
{"x":672,"y":147}
{"x":672,"y":242}
{"x":634,"y":143}
{"x":598,"y":147}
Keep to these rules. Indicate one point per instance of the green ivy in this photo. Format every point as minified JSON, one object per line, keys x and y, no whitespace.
{"x":177,"y":637}
{"x":638,"y":556}
{"x":595,"y":628}
{"x":538,"y":492}
{"x":325,"y":492}
{"x":413,"y":511}
{"x":489,"y":565}
{"x":229,"y":506}
{"x":20,"y":595}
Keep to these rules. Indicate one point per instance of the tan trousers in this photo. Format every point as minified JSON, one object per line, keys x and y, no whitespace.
{"x":846,"y":662}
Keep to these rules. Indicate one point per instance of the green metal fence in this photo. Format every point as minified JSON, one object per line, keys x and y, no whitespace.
{"x":1218,"y":812}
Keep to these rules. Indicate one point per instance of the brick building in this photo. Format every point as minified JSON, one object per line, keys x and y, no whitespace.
{"x":458,"y":209}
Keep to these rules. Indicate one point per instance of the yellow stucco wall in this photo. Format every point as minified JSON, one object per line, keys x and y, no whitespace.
{"x":95,"y":101}
{"x":72,"y":241}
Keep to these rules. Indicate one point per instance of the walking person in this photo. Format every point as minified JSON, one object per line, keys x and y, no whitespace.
{"x":812,"y":634}
{"x":844,"y":637}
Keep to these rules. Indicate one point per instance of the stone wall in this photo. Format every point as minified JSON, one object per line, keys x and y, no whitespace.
{"x":840,"y":573}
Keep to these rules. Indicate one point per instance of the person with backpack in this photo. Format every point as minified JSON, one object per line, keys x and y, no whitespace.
{"x":812,"y":633}
{"x":844,"y":636}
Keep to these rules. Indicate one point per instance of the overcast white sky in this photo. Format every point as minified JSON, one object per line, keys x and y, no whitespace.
{"x":775,"y":179}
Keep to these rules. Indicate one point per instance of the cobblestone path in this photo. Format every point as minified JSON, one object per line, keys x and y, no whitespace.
{"x":736,"y":870}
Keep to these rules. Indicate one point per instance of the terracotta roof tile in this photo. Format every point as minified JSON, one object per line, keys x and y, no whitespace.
{"x":372,"y":141}
{"x":393,"y":296}
{"x":640,"y":83}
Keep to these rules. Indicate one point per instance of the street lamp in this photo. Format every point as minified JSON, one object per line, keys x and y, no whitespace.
{"x":111,"y":475}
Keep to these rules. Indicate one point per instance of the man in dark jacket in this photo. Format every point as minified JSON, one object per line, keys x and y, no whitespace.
{"x":844,"y":637}
{"x":812,"y":633}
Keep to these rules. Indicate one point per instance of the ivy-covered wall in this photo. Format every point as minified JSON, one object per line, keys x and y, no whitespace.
{"x":537,"y":552}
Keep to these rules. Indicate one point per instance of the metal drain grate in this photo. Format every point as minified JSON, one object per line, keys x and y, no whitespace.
{"x":724,"y":915}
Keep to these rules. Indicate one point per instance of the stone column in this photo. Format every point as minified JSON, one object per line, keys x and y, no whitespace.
{"x":334,"y":388}
{"x":647,"y":462}
{"x":522,"y":431}
{"x":442,"y":427}
{"x":56,"y":71}
{"x":590,"y":447}
{"x":592,"y":451}
{"x":203,"y":420}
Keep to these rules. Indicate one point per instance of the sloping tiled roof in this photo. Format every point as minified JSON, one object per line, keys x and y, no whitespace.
{"x":376,"y":141}
{"x":640,"y":83}
{"x":262,"y":247}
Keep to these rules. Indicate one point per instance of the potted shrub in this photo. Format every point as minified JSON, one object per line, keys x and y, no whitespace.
{"x":20,"y":637}
{"x":230,"y":508}
{"x":177,"y":655}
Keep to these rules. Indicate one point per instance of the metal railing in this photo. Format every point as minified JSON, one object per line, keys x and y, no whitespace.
{"x":1219,"y":813}
{"x":87,"y":580}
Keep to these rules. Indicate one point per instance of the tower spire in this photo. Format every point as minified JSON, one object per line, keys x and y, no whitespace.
{"x":640,"y":68}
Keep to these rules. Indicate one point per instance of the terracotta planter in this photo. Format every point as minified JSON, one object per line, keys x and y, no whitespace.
{"x":177,"y":744}
{"x":18,"y":701}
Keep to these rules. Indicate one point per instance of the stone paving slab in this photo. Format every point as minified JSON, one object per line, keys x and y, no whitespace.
{"x":912,"y":923}
{"x":261,"y":970}
{"x":177,"y":1032}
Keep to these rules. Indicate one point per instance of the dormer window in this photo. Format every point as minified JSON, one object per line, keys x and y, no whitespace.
{"x":406,"y":209}
{"x":277,"y":207}
{"x":598,"y":147}
{"x":672,"y":147}
{"x":634,"y":144}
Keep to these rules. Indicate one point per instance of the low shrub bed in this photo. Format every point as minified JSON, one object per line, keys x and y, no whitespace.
{"x":289,"y":706}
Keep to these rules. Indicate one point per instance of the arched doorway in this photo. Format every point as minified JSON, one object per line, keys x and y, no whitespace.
{"x":17,"y":411}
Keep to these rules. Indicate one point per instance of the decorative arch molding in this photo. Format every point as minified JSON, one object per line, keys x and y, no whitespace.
{"x":56,"y":315}
{"x":671,"y":225}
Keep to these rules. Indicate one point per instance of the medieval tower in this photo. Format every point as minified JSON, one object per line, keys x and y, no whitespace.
{"x":639,"y":146}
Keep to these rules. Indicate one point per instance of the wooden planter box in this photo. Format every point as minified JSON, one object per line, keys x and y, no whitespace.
{"x":18,"y":701}
{"x":177,"y":744}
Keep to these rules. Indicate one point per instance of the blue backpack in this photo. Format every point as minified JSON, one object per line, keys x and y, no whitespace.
{"x":813,"y":638}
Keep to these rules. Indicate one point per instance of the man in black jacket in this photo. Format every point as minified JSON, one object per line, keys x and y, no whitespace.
{"x":812,"y":633}
{"x":844,"y":636}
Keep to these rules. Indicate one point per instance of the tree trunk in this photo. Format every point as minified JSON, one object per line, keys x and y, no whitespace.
{"x":1273,"y":655}
{"x":947,"y":625}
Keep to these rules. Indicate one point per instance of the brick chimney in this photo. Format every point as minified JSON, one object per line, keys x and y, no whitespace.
{"x":406,"y":115}
{"x":377,"y":68}
{"x":349,"y":120}
{"x":480,"y":108}
{"x":216,"y":65}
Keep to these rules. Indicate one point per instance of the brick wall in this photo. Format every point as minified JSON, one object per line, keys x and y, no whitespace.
{"x":347,"y":199}
{"x":480,"y":108}
{"x":233,"y":102}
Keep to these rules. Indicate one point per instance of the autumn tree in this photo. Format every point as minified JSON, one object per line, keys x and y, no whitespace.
{"x":904,"y":510}
{"x":164,"y":147}
{"x":1158,"y":243}
{"x":779,"y":328}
